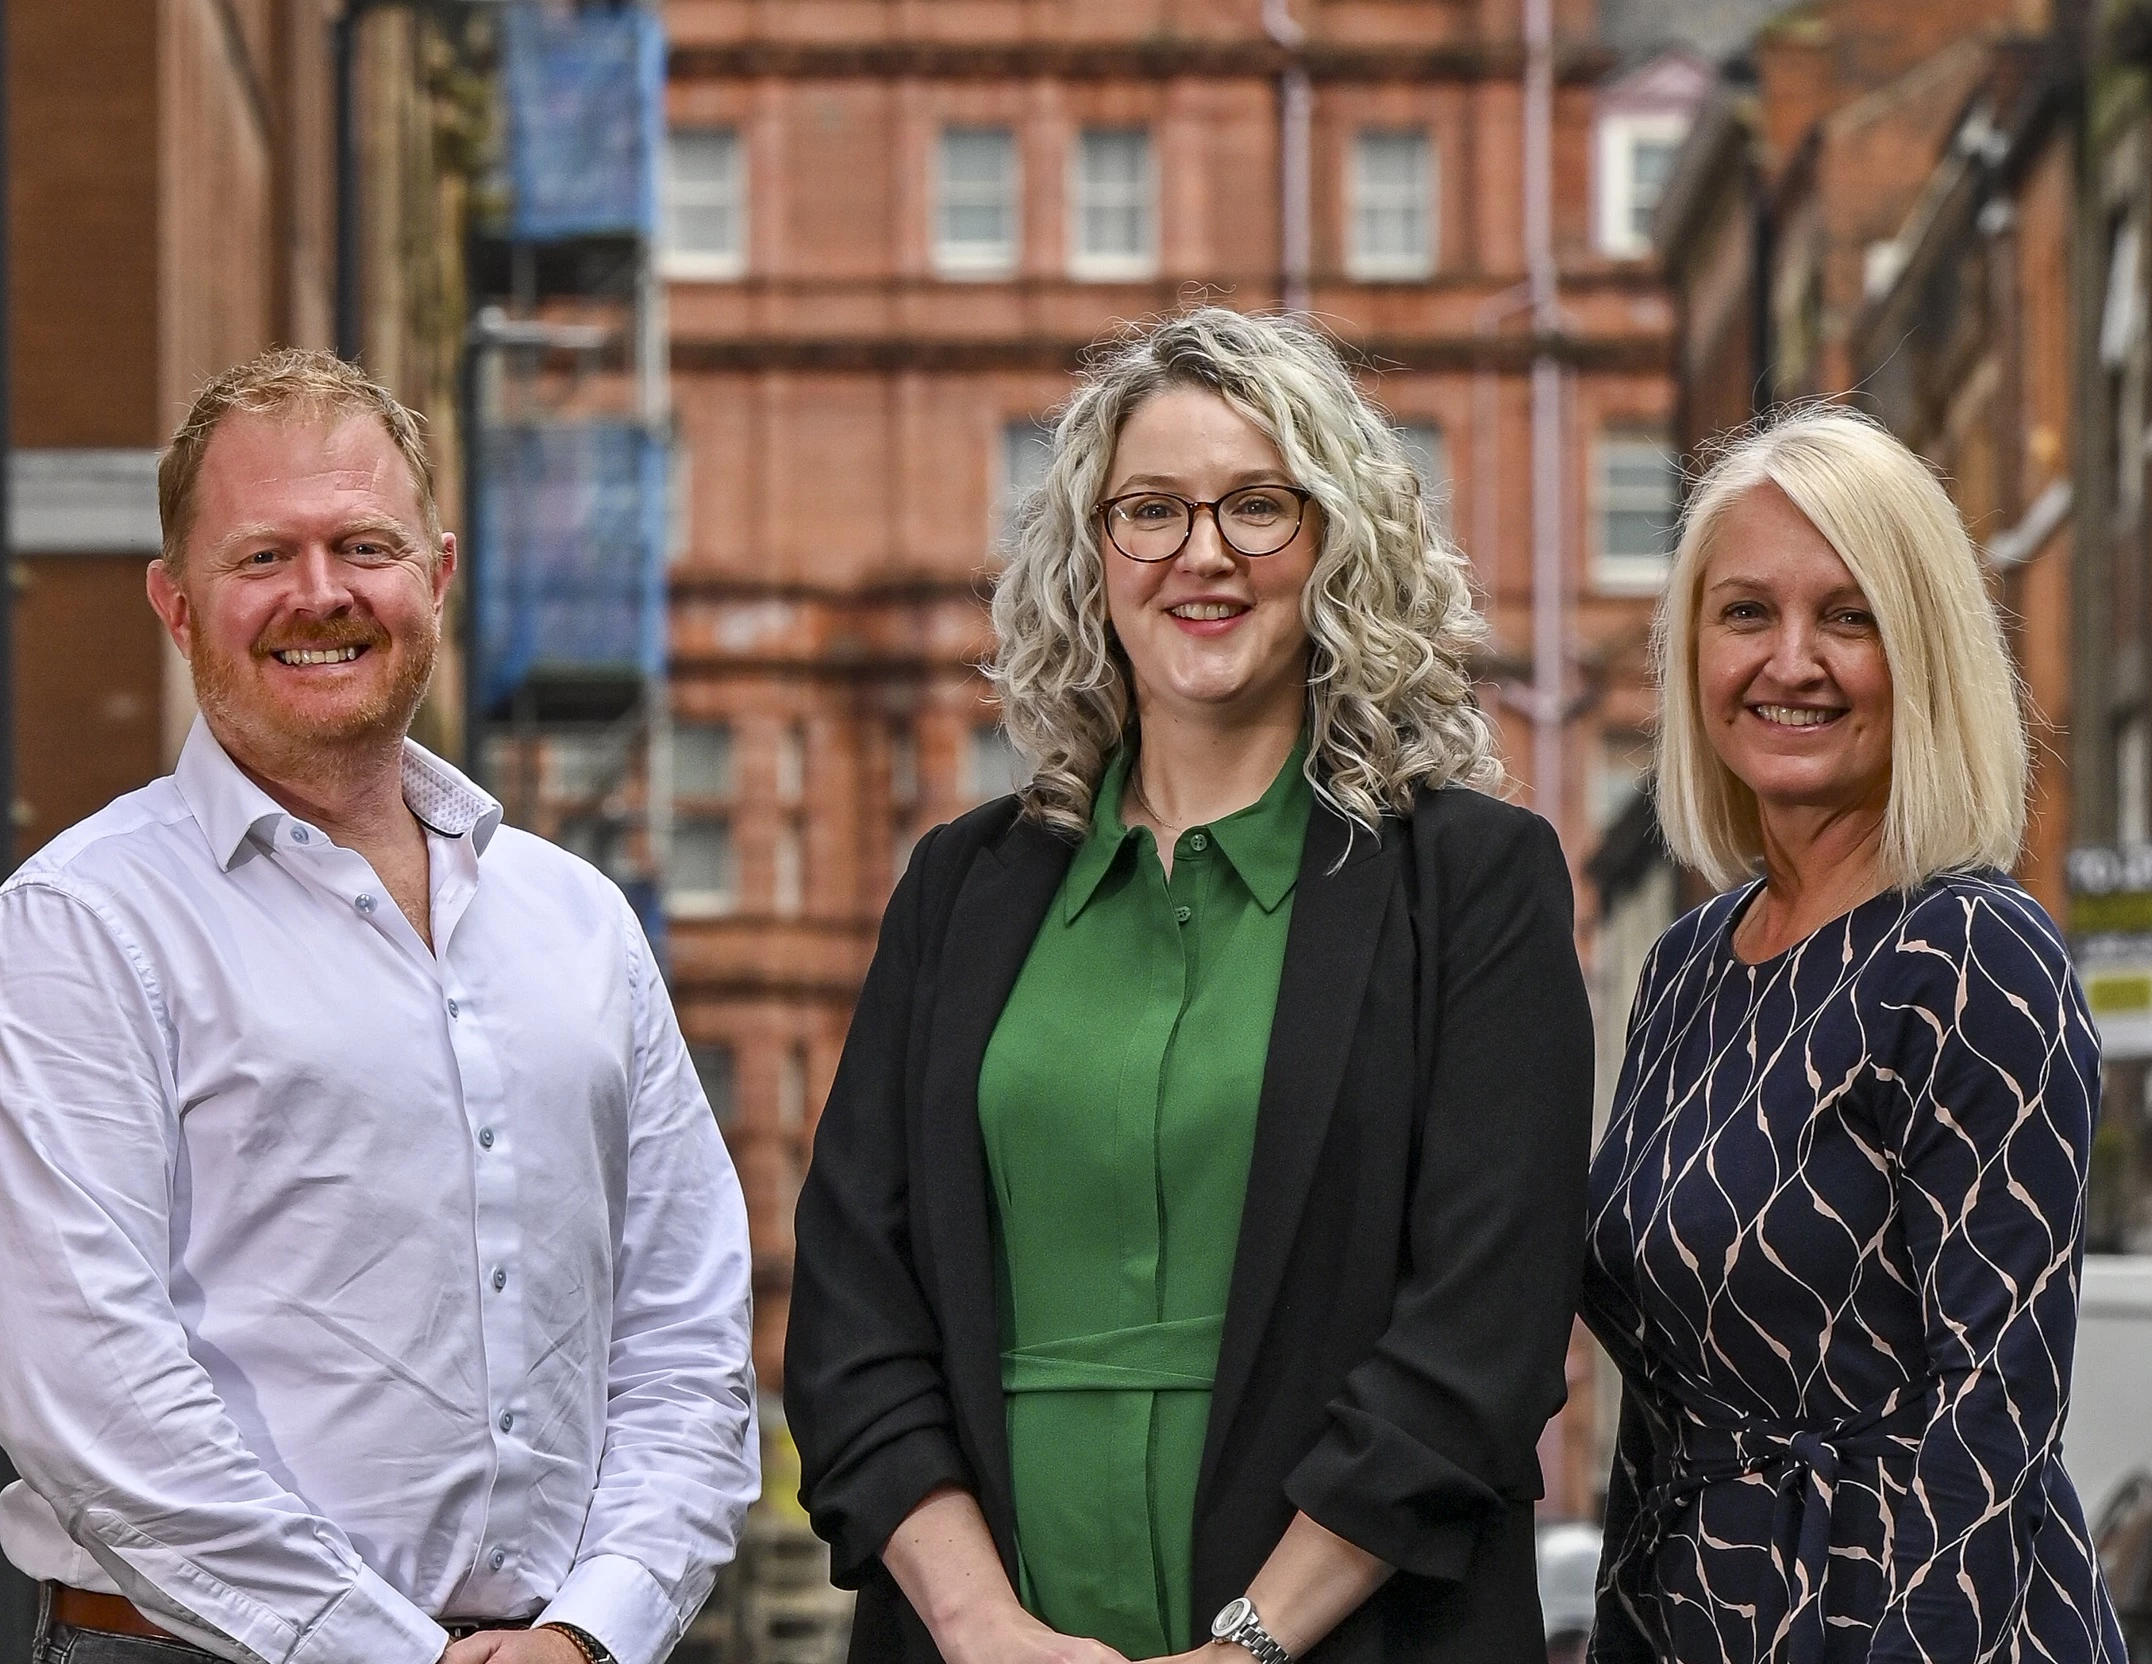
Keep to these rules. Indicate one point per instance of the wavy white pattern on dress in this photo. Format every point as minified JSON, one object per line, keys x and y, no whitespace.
{"x":1835,"y":1238}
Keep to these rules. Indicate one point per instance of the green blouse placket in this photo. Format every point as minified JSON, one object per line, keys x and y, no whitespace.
{"x":1117,"y":1099}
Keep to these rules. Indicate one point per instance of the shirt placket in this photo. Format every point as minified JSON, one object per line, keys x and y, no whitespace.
{"x":496,"y":1573}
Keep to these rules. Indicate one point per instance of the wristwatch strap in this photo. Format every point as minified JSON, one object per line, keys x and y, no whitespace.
{"x":1251,"y":1634}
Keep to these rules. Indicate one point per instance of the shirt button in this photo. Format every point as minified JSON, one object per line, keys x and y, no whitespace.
{"x":300,"y":834}
{"x":508,"y":1420}
{"x":1199,"y":843}
{"x":485,"y":1138}
{"x":364,"y":904}
{"x":1183,"y":914}
{"x":454,"y":1010}
{"x":500,"y":1279}
{"x":497,"y":1559}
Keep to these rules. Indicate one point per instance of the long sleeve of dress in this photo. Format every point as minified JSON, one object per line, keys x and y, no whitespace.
{"x":1998,"y":1081}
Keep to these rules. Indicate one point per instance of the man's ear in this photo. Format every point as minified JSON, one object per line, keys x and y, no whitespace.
{"x":444,"y":569}
{"x":168,"y":599}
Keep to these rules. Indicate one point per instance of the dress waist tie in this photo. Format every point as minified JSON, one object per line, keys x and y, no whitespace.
{"x":1176,"y":1356}
{"x":1804,"y":1464}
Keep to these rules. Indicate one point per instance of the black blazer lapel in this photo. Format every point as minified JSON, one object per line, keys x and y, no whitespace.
{"x":1329,"y":951}
{"x":992,"y":922}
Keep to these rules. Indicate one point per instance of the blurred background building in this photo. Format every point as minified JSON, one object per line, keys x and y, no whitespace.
{"x":739,"y":326}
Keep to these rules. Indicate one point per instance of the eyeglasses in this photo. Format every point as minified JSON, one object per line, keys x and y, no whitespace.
{"x":1156,"y":525}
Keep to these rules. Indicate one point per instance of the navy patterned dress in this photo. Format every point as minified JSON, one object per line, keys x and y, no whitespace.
{"x":1836,"y":1229}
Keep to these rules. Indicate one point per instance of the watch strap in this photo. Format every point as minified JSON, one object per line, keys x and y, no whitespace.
{"x":1251,"y":1634}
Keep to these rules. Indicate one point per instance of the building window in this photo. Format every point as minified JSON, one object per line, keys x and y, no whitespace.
{"x":789,"y":886}
{"x":976,"y":213}
{"x":1026,"y":450}
{"x":1392,"y":191}
{"x":704,"y":879}
{"x":792,"y":763}
{"x":1430,"y":454}
{"x":714,"y":1067}
{"x":2133,"y":781}
{"x":1636,"y":158}
{"x":704,"y":231}
{"x":792,"y":1089}
{"x":702,"y":760}
{"x":1115,"y":232}
{"x":903,"y":766}
{"x":581,"y":764}
{"x":1637,"y":490}
{"x":991,"y":766}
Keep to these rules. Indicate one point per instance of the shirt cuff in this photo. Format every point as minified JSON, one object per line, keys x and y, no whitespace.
{"x":621,"y":1605}
{"x":370,"y":1623}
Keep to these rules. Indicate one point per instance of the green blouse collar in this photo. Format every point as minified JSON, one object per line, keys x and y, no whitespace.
{"x":1262,"y":841}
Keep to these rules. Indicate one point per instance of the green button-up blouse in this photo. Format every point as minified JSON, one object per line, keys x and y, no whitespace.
{"x":1117,"y":1099}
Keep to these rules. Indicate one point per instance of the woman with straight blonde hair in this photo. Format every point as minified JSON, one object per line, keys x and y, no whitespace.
{"x":1187,"y":1260}
{"x":1837,"y":1217}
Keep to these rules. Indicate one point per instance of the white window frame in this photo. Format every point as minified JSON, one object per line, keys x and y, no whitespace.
{"x":1112,"y":266}
{"x":707,"y":265}
{"x":978,"y":260}
{"x":1393,"y":265}
{"x":1628,"y":574}
{"x":1619,"y":136}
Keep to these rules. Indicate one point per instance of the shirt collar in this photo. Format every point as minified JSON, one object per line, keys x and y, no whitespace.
{"x":1262,"y":841}
{"x":232,"y":810}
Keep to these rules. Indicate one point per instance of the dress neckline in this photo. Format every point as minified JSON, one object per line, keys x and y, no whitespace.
{"x":1747,"y":898}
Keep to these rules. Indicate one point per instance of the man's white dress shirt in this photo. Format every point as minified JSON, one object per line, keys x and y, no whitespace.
{"x":344,"y":1284}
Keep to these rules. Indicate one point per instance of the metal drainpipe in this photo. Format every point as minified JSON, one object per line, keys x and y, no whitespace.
{"x":1296,"y":109}
{"x":1548,"y":646}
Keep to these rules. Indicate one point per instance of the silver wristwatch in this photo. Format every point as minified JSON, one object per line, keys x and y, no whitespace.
{"x":1239,"y":1625}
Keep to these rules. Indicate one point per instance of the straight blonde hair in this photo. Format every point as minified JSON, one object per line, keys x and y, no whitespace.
{"x":1958,"y":749}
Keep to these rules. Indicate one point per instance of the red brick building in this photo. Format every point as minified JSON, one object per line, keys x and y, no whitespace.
{"x":173,"y":210}
{"x":894,"y":230}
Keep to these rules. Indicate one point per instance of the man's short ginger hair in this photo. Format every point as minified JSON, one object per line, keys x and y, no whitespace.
{"x":295,"y":384}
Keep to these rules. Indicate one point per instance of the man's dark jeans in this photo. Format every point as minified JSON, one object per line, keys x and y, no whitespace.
{"x":59,"y":1643}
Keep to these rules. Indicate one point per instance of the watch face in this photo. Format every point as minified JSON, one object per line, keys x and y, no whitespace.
{"x":1236,"y":1613}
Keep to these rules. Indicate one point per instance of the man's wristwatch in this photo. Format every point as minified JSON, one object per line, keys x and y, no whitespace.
{"x":1238,"y":1624}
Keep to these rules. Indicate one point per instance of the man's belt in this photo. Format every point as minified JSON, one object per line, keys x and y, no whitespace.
{"x":108,"y":1614}
{"x":116,"y":1615}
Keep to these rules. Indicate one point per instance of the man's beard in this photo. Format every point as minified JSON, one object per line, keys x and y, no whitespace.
{"x":279,"y":739}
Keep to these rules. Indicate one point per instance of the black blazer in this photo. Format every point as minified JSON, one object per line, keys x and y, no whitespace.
{"x":1409,"y":1254}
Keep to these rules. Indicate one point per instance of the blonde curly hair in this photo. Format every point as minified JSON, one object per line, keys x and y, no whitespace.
{"x":1388,"y":608}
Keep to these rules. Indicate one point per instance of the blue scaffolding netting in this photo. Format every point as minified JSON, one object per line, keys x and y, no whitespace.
{"x":570,"y":529}
{"x":585,"y":95}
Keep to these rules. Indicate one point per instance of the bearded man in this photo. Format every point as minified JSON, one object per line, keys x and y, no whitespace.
{"x":373,"y":1277}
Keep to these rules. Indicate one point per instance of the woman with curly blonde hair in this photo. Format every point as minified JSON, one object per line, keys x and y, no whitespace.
{"x":1195,"y":1218}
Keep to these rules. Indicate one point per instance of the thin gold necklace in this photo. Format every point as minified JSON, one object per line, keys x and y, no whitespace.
{"x":1135,"y":781}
